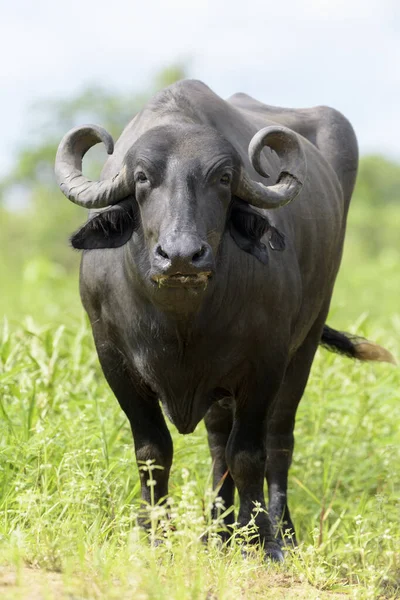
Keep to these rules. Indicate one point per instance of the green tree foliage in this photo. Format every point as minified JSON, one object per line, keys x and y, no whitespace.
{"x":375,"y":207}
{"x":378,"y":181}
{"x":95,"y":104}
{"x":35,"y":218}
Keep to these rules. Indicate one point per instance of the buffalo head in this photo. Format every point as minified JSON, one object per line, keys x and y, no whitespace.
{"x":175,"y":188}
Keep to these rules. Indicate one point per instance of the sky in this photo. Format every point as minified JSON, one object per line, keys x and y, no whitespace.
{"x":342,"y":53}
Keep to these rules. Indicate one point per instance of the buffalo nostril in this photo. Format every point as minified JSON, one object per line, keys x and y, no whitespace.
{"x":161,"y":252}
{"x":199,"y":254}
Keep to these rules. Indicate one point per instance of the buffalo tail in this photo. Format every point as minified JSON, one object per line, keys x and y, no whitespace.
{"x":354,"y":346}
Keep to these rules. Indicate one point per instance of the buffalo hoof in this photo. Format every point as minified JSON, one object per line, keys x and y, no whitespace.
{"x":273,"y":552}
{"x":221,"y":538}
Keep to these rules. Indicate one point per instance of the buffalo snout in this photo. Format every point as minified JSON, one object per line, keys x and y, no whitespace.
{"x":182,"y":254}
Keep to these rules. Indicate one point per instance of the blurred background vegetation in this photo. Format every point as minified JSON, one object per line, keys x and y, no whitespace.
{"x":39,"y":271}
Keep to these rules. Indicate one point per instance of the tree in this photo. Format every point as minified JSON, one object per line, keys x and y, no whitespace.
{"x":35,"y":218}
{"x":95,"y":104}
{"x":378,"y":182}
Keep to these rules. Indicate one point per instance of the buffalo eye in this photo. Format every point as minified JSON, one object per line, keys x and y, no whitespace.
{"x":225,"y":179}
{"x":141,"y":177}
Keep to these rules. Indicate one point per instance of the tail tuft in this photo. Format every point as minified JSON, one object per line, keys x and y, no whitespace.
{"x":354,"y":346}
{"x":365,"y":350}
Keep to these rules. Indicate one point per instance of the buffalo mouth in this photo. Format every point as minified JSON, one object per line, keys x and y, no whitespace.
{"x":183,"y":280}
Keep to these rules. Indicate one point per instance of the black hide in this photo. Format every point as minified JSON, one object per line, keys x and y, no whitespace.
{"x":215,"y":309}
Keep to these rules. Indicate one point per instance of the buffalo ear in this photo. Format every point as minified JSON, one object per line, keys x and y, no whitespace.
{"x":111,"y":228}
{"x":247,"y":226}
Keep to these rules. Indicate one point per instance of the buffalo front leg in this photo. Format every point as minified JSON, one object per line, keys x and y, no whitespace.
{"x":246,"y":457}
{"x":218,"y":421}
{"x":153,"y":449}
{"x":150,"y":433}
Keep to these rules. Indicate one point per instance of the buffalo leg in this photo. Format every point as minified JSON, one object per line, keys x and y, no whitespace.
{"x":218,"y":421}
{"x":150,"y":433}
{"x":280,"y":438}
{"x":246,"y":458}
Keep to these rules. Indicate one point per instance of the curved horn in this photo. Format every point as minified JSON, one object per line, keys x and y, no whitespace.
{"x":293,"y":169}
{"x":68,"y":169}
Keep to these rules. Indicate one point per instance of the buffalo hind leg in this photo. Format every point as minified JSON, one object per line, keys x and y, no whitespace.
{"x":280,"y":438}
{"x":150,"y":433}
{"x":218,"y":421}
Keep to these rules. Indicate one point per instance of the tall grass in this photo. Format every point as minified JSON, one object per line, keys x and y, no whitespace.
{"x":69,"y":489}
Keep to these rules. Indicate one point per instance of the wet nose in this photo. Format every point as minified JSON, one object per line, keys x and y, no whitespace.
{"x":183,"y":254}
{"x":187,"y":255}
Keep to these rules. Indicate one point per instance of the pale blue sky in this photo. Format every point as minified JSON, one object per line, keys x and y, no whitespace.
{"x":344,"y":53}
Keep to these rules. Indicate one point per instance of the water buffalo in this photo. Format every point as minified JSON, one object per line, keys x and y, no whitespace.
{"x":207,"y":277}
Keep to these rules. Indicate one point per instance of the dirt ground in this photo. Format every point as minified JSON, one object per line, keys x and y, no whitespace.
{"x":36,"y":584}
{"x":30,"y":584}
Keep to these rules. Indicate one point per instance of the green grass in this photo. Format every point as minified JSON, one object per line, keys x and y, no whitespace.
{"x":69,"y":486}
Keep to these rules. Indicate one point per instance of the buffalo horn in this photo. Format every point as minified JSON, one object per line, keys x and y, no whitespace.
{"x":68,"y":169}
{"x":289,"y":150}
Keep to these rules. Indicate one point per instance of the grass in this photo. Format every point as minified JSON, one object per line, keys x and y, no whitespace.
{"x":69,"y":486}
